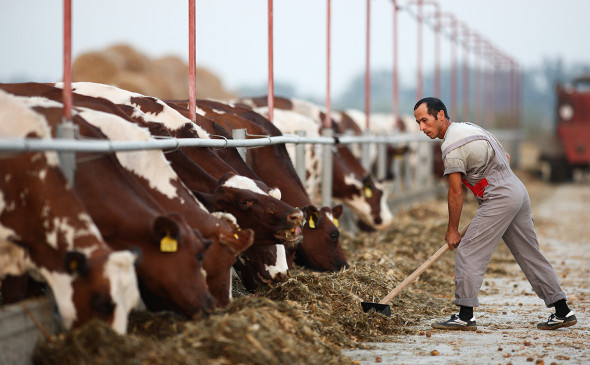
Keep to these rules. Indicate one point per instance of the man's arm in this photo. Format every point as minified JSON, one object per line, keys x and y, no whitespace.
{"x":455,"y":202}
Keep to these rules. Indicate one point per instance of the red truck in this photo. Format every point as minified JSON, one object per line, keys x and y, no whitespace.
{"x":570,"y":149}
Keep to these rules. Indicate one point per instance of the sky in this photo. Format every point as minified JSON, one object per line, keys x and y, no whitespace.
{"x":232,"y":36}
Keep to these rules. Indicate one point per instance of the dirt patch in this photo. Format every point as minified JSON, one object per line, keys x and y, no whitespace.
{"x":509,"y":309}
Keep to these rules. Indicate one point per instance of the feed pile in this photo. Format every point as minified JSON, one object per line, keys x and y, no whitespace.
{"x":304,"y":320}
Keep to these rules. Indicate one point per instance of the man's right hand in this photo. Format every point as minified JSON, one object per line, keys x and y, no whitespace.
{"x":452,"y":238}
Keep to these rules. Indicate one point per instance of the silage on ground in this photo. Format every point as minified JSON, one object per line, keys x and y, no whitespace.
{"x":304,"y":320}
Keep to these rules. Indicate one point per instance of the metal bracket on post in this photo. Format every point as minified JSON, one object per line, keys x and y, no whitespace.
{"x":240,"y":134}
{"x":67,"y":160}
{"x":365,"y":153}
{"x":300,"y":158}
{"x":327,"y":168}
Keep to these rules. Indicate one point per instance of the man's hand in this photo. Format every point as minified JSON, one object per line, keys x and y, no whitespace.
{"x":453,"y":238}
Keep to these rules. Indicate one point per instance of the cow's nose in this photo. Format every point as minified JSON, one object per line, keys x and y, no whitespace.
{"x":296,"y":217}
{"x":378,"y":220}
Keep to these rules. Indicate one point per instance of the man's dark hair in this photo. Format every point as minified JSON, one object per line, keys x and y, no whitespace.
{"x":434,"y":105}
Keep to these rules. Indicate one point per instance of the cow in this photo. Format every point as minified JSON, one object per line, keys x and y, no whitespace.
{"x":246,"y":197}
{"x":170,"y":271}
{"x":352,"y":185}
{"x":46,"y":229}
{"x":320,"y":249}
{"x":380,"y":124}
{"x":171,"y":194}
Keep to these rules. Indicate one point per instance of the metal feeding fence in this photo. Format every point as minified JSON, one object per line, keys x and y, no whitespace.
{"x":413,"y":172}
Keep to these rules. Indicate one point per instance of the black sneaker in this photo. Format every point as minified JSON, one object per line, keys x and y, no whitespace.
{"x":455,"y":324}
{"x":554,"y":322}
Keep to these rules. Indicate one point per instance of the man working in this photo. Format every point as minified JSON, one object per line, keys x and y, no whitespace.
{"x":472,"y":156}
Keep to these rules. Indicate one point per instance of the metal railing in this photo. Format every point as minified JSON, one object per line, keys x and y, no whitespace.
{"x":406,"y":168}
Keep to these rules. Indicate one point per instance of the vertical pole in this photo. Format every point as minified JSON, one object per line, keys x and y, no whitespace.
{"x":437,"y":53}
{"x":328,"y":120}
{"x":67,"y":75}
{"x":465,"y":77}
{"x":300,"y":158}
{"x":192,"y":62}
{"x":327,"y":169}
{"x":271,"y":92}
{"x":67,"y":129}
{"x":395,"y":66}
{"x":419,"y":55}
{"x":454,"y":73}
{"x":368,"y":67}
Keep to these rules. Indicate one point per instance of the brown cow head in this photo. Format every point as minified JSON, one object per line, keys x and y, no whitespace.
{"x":260,"y":265}
{"x":95,"y":279}
{"x":321,"y":249}
{"x":221,"y":256}
{"x":256,"y":206}
{"x":171,"y":270}
{"x":359,"y":191}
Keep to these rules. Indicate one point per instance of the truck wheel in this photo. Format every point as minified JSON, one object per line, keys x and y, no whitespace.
{"x":556,"y":169}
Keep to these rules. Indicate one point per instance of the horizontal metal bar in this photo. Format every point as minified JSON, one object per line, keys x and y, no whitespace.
{"x":104,"y":146}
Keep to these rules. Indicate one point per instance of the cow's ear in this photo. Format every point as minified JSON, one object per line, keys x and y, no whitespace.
{"x":337,"y":211}
{"x":308,"y":210}
{"x":225,"y":177}
{"x":167,"y":233}
{"x":206,"y":199}
{"x":76,"y":263}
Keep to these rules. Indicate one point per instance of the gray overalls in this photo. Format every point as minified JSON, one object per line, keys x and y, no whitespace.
{"x":504,"y":212}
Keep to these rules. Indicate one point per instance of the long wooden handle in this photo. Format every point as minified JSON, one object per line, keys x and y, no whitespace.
{"x":420,"y":270}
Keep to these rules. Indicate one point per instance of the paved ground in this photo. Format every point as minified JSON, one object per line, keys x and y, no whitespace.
{"x":509,"y":308}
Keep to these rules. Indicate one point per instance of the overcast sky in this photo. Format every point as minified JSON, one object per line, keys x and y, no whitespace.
{"x":232,"y":35}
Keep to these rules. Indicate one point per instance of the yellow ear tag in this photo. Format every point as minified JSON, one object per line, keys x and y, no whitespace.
{"x":73,"y":265}
{"x":311,"y":223}
{"x":336,"y":222}
{"x":168,"y":244}
{"x":236,"y":236}
{"x":368,"y":192}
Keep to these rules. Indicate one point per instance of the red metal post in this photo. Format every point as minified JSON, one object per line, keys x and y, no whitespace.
{"x":465,"y":78}
{"x":419,"y":92}
{"x":192,"y":61}
{"x":67,"y":76}
{"x":271,"y":92}
{"x":454,"y":40}
{"x":328,"y":120}
{"x":395,"y":65}
{"x":368,"y":68}
{"x":437,"y":28}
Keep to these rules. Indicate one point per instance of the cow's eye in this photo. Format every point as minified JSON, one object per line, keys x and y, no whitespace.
{"x":245,"y":204}
{"x":200,"y":256}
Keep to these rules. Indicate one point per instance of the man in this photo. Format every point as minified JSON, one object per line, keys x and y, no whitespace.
{"x":474,"y":157}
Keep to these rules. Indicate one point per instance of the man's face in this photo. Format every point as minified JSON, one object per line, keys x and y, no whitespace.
{"x":431,"y":126}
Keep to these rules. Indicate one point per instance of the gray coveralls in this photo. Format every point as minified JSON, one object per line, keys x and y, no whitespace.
{"x":504,"y":212}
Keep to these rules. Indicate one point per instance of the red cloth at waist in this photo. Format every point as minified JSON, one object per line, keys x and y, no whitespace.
{"x":478,"y":188}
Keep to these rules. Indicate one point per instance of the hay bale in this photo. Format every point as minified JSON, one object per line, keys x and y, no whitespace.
{"x":132,"y":60}
{"x":165,"y":77}
{"x":95,"y":67}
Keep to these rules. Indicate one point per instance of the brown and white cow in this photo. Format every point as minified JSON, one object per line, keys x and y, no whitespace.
{"x":45,"y":228}
{"x":352,"y":184}
{"x":246,"y":197}
{"x":382,"y":124}
{"x":320,"y":248}
{"x":170,"y":271}
{"x":155,"y":174}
